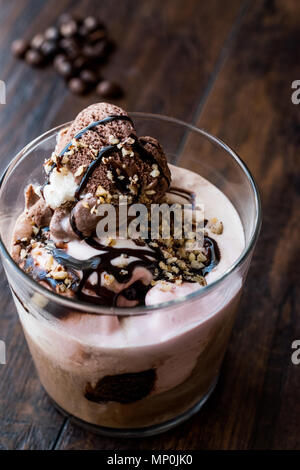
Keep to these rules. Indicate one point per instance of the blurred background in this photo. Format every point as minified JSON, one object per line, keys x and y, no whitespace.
{"x":227,"y":67}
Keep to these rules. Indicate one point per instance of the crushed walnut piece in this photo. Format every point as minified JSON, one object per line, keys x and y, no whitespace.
{"x":215,"y":226}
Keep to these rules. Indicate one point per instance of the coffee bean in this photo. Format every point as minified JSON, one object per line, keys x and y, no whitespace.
{"x":33,"y":57}
{"x":109,"y":89}
{"x":81,"y":62}
{"x":19,"y":47}
{"x":88,"y":76}
{"x":52,"y":33}
{"x":90,"y":23}
{"x":70,"y":47}
{"x":58,"y":59}
{"x":95,"y":36}
{"x":78,"y":47}
{"x":64,"y":68}
{"x":77,"y":86}
{"x":37,"y":41}
{"x":48,"y":48}
{"x":68,"y":29}
{"x":95,"y":51}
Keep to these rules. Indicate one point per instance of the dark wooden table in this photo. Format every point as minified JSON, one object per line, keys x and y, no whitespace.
{"x":227,"y":67}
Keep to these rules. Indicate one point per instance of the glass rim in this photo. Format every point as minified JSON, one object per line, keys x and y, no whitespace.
{"x":77,"y":304}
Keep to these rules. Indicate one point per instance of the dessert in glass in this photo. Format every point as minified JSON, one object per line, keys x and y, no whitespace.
{"x":127,"y":332}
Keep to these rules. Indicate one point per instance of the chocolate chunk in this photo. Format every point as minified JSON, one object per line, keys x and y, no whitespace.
{"x":122,"y":388}
{"x":77,"y":86}
{"x":88,"y":76}
{"x":33,"y":57}
{"x":19,"y":47}
{"x":37,"y":41}
{"x":109,"y":89}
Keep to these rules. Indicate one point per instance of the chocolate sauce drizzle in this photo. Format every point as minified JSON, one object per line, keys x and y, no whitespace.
{"x":148,"y":259}
{"x":94,"y":124}
{"x":189,"y":196}
{"x":105,"y":151}
{"x":103,"y":263}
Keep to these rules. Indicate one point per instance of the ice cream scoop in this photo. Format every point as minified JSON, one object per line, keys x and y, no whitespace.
{"x":100,"y":154}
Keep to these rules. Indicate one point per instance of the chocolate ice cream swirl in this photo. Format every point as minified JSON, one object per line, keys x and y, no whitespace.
{"x":109,"y":154}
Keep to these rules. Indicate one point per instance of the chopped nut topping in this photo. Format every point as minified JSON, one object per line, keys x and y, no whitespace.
{"x":109,"y":241}
{"x":155,"y":173}
{"x":201,"y":257}
{"x":81,"y":144}
{"x":215,"y":226}
{"x":49,"y":263}
{"x":101,"y":191}
{"x":59,"y":275}
{"x":108,"y":279}
{"x":162,"y":265}
{"x":23,"y":253}
{"x":197,"y":265}
{"x":127,"y":152}
{"x":130,"y":140}
{"x":165,"y":286}
{"x":171,"y":260}
{"x":113,"y":140}
{"x":123,"y":261}
{"x":94,"y":152}
{"x":80,"y":170}
{"x":109,"y":175}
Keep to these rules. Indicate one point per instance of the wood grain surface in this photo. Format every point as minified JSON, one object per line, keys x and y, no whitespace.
{"x":226,"y":67}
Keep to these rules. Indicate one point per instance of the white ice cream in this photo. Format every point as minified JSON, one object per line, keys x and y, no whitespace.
{"x":61,"y":188}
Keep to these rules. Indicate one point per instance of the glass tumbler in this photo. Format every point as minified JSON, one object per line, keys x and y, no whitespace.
{"x":132,"y":371}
